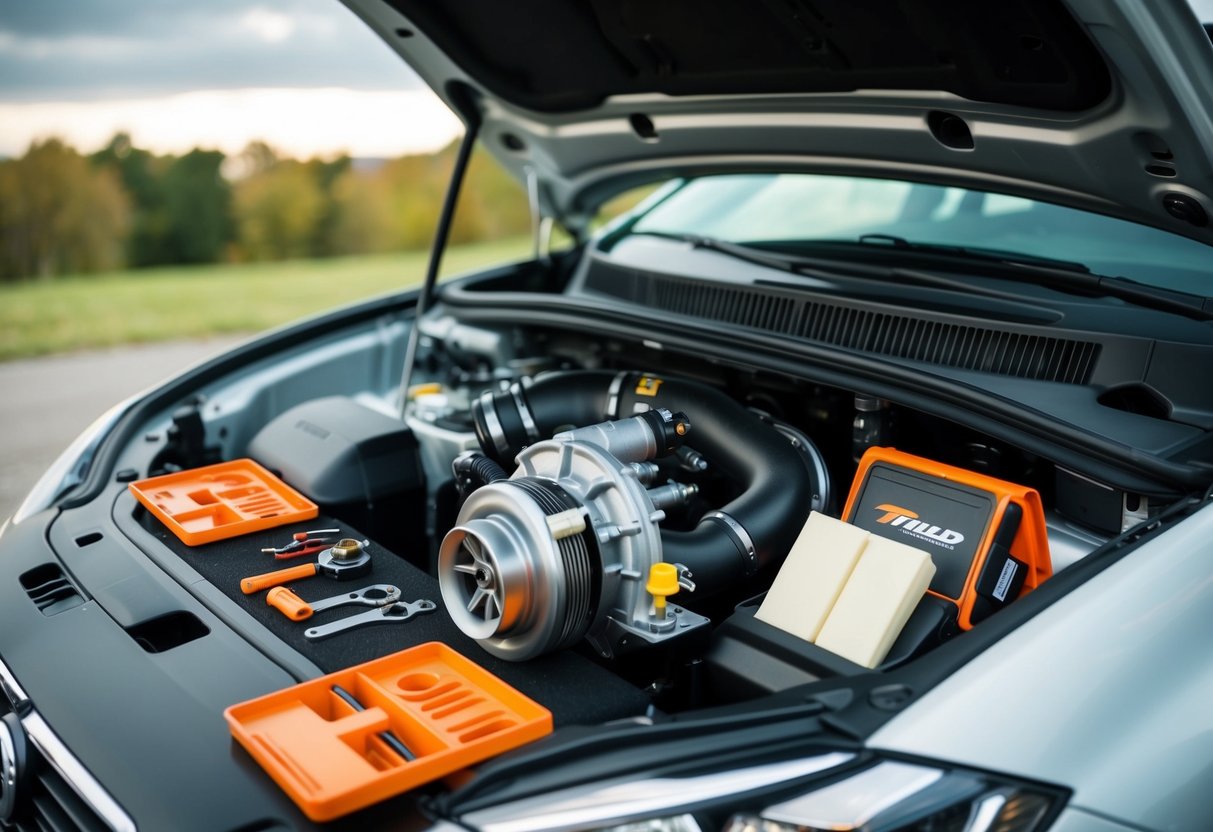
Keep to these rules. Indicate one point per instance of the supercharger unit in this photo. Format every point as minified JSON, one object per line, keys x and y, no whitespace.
{"x":569,"y":546}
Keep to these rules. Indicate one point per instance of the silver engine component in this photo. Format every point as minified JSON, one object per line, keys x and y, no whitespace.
{"x":563,"y":548}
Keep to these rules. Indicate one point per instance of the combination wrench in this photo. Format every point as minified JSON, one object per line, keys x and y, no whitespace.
{"x":392,"y":613}
{"x":296,"y":609}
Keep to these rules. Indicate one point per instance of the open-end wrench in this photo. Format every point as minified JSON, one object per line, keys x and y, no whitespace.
{"x":375,"y":595}
{"x":397,"y":612}
{"x":296,"y":609}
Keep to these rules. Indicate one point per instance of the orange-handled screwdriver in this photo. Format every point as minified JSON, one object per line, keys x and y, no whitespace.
{"x":259,"y":582}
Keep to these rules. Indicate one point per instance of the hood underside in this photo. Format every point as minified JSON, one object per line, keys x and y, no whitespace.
{"x":562,"y":56}
{"x":1090,"y":103}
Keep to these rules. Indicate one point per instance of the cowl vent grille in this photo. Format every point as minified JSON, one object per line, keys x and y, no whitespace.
{"x":963,"y":346}
{"x":50,"y":590}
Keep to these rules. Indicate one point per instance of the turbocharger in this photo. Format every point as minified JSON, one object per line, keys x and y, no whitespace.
{"x":568,"y":546}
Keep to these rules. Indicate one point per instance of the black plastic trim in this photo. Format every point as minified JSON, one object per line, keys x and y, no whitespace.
{"x":109,"y":701}
{"x":298,"y":666}
{"x":985,"y":340}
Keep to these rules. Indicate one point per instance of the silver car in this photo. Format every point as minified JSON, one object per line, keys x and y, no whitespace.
{"x":932,"y":276}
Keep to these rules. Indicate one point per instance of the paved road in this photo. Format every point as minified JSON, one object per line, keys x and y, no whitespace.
{"x":46,"y":402}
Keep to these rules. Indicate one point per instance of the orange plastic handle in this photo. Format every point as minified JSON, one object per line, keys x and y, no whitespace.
{"x":288,"y":603}
{"x":259,"y":582}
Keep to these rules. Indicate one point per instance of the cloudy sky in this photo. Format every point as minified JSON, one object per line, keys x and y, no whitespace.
{"x":306,"y":75}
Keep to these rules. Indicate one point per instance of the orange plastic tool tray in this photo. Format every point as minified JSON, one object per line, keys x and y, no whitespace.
{"x":219,"y":501}
{"x":450,"y":712}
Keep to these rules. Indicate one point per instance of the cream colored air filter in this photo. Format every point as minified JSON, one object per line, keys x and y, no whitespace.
{"x":876,"y":602}
{"x":812,"y":576}
{"x":846,"y":590}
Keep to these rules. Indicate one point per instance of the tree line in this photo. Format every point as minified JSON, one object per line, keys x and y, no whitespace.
{"x":64,"y":212}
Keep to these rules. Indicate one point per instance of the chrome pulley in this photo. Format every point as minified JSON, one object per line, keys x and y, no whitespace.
{"x":516,"y":572}
{"x":561,"y":550}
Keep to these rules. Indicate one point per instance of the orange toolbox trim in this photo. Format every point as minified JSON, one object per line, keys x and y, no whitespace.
{"x":1031,"y":542}
{"x":332,"y":759}
{"x":215,"y":502}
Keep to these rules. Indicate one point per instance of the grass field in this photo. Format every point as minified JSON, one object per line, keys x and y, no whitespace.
{"x":73,"y":313}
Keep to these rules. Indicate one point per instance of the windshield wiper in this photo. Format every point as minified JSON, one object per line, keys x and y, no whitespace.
{"x":996,"y":255}
{"x":1061,"y":274}
{"x":814,"y":267}
{"x":748,"y":254}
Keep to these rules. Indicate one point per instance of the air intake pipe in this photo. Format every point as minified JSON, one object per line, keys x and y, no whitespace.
{"x":752,"y":531}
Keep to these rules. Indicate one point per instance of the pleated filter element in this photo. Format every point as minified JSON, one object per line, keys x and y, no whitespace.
{"x":846,"y":590}
{"x":812,"y":576}
{"x":887,"y":583}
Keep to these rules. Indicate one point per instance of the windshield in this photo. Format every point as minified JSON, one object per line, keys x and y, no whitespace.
{"x":805,"y":208}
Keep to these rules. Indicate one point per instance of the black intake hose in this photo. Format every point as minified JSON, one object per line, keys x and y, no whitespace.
{"x":473,"y":470}
{"x":754,"y":530}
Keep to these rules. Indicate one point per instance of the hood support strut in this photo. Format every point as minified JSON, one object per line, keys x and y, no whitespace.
{"x":463,"y":100}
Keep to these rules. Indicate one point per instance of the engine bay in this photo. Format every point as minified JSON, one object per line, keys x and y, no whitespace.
{"x":632,"y":507}
{"x":714,"y":477}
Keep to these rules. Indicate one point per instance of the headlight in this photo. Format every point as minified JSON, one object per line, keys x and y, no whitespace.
{"x":678,"y":823}
{"x":904,"y":797}
{"x":827,"y":793}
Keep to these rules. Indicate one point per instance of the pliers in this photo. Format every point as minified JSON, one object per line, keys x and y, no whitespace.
{"x":303,"y":544}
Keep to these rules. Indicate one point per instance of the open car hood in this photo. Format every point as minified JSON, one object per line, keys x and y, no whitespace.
{"x":1099,"y":104}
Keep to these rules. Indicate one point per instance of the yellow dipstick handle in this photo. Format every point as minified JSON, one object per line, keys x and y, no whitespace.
{"x":418,"y":390}
{"x":663,"y":582}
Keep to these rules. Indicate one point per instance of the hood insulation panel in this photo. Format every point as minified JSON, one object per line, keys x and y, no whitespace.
{"x":561,"y":56}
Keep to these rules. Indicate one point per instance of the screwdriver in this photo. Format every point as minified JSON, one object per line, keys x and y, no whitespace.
{"x":388,"y":737}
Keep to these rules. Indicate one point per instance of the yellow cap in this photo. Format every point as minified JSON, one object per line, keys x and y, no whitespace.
{"x":424,"y":389}
{"x":663,"y":580}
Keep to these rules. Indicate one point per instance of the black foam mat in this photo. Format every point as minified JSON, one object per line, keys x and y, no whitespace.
{"x":573,"y":688}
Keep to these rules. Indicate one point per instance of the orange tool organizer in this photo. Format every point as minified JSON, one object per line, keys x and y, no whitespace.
{"x":202,"y":505}
{"x":332,"y":759}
